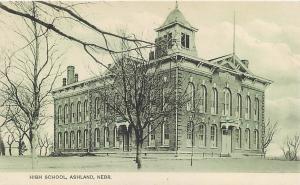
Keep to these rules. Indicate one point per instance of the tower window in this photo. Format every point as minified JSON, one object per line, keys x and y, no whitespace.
{"x":185,"y":40}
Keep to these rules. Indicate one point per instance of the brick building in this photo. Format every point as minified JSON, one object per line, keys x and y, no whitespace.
{"x":229,"y":118}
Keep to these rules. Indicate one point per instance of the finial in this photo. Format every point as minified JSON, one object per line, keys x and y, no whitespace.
{"x":176,"y":6}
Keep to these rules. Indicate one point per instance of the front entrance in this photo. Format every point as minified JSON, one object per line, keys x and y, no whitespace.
{"x":124,"y":138}
{"x":226,"y":141}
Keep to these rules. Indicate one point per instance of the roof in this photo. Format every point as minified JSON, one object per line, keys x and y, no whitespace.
{"x":176,"y":17}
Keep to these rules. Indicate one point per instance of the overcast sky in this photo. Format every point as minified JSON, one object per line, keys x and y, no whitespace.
{"x":267,"y":34}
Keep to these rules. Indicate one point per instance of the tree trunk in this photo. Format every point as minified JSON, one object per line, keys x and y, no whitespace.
{"x":9,"y":150}
{"x":33,"y":147}
{"x":138,"y":155}
{"x":20,"y":147}
{"x":46,"y":150}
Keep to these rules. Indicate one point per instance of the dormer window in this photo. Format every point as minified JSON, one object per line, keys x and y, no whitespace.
{"x":185,"y":40}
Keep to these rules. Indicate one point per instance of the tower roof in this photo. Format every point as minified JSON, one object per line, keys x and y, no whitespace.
{"x":176,"y":16}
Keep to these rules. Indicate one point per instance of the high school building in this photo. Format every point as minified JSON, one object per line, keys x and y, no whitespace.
{"x":229,"y":118}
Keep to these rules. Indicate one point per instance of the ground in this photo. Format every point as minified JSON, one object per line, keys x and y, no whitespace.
{"x":125,"y":164}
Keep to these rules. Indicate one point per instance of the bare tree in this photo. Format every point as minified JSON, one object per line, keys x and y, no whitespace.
{"x":290,"y":147}
{"x":270,"y":130}
{"x":47,"y":143}
{"x":37,"y":69}
{"x":10,"y":138}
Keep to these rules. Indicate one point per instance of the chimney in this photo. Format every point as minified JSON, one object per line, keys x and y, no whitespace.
{"x":76,"y":77}
{"x":70,"y":74}
{"x":246,"y":63}
{"x":64,"y":81}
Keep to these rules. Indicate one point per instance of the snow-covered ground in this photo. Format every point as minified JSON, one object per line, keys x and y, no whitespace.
{"x":121,"y":164}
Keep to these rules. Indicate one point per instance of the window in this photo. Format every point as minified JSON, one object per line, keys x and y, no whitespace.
{"x":59,"y":115}
{"x":238,"y":143}
{"x":165,"y":134}
{"x":79,"y":111}
{"x":72,"y":139}
{"x":85,"y":110}
{"x":66,"y":140}
{"x":202,"y":133}
{"x":97,"y":138}
{"x":85,"y":138}
{"x":106,"y":137}
{"x":191,"y":97}
{"x":169,"y":40}
{"x":72,"y":111}
{"x":239,"y":106}
{"x":227,"y":102}
{"x":189,"y":132}
{"x":97,"y":108}
{"x":151,"y":137}
{"x":256,"y":110}
{"x":213,"y":136}
{"x":59,"y":140}
{"x":66,"y":113}
{"x":256,"y":144}
{"x":78,"y":143}
{"x":116,"y":142}
{"x":248,"y":108}
{"x":214,"y":101}
{"x":247,"y":138}
{"x":203,"y":99}
{"x":185,"y":40}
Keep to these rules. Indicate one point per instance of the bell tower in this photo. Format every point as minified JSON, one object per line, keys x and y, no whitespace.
{"x":175,"y":35}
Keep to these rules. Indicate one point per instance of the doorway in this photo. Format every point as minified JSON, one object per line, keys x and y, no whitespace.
{"x":226,"y":141}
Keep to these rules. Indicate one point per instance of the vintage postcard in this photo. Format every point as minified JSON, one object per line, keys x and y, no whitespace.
{"x":149,"y":92}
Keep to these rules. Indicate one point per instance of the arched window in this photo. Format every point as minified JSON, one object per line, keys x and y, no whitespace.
{"x":213,"y":136}
{"x":116,"y":142}
{"x":256,"y":110}
{"x":85,"y":138}
{"x":202,"y":134}
{"x":66,"y":113}
{"x":165,"y":134}
{"x":256,"y":144}
{"x":72,"y":112}
{"x":59,"y":115}
{"x":72,"y":139}
{"x":66,"y":140}
{"x":59,"y":141}
{"x":214,"y":101}
{"x":191,"y":97}
{"x":227,"y":102}
{"x":79,"y":111}
{"x":106,"y":137}
{"x":238,"y":143}
{"x":203,"y":99}
{"x":85,"y":110}
{"x":189,"y":136}
{"x":248,"y":108}
{"x":247,"y":138}
{"x":78,"y":142}
{"x":239,"y":106}
{"x":97,"y":138}
{"x":151,"y":137}
{"x":97,"y":107}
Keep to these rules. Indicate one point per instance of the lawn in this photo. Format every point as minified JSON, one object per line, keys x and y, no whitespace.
{"x":122,"y":164}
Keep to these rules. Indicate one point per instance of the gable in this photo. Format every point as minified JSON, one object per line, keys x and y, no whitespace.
{"x":231,"y":62}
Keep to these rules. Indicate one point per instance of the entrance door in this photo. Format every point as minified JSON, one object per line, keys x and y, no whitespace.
{"x":226,"y":141}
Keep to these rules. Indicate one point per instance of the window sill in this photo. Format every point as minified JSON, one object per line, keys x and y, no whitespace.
{"x":214,"y":147}
{"x":116,"y":147}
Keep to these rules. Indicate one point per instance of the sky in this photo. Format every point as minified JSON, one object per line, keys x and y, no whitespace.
{"x":267,"y":34}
